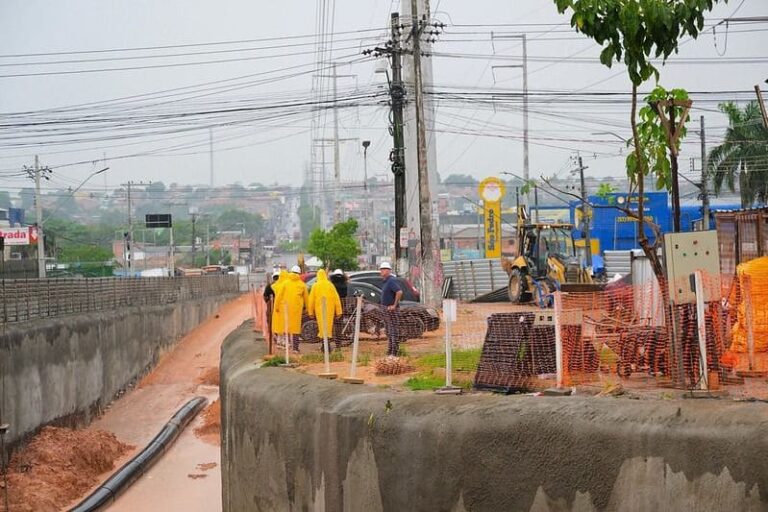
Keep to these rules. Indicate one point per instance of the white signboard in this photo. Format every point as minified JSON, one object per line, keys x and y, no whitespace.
{"x":15,"y":236}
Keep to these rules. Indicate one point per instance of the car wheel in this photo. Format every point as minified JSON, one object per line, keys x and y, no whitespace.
{"x":310,"y":332}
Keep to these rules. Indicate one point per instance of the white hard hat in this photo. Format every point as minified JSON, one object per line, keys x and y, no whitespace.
{"x":276,"y":273}
{"x":296,"y":269}
{"x":338,"y":272}
{"x":385,"y":264}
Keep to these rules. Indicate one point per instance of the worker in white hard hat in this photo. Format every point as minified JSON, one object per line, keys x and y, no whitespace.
{"x":293,"y":296}
{"x":339,"y":281}
{"x":391,"y":293}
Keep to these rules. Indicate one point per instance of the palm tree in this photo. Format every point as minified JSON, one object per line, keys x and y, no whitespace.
{"x":743,"y":155}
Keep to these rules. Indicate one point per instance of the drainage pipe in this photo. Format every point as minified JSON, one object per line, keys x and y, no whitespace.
{"x":138,"y":465}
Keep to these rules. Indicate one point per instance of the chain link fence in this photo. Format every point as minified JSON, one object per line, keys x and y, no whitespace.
{"x":29,"y":299}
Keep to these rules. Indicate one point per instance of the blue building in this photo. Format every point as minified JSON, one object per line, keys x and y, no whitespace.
{"x":617,"y":231}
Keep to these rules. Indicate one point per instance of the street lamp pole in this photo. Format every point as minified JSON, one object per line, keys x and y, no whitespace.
{"x":368,"y":205}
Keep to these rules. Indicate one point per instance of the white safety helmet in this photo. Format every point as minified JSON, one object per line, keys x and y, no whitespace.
{"x":385,"y":264}
{"x":337,"y":272}
{"x":296,"y":269}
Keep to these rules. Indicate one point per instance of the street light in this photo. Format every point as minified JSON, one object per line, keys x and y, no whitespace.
{"x":41,"y":222}
{"x":368,"y":204}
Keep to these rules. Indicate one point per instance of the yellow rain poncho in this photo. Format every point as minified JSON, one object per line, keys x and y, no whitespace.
{"x":293,"y":294}
{"x":277,"y":313}
{"x":324,"y":289}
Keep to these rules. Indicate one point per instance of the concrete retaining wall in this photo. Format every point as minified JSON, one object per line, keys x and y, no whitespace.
{"x":66,"y":369}
{"x":294,"y":442}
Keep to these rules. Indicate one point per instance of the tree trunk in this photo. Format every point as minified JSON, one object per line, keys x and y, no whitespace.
{"x":650,"y":250}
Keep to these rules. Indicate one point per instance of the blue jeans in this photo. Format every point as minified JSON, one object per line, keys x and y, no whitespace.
{"x":390,"y":321}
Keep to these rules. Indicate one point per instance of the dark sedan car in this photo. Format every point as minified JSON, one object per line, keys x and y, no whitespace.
{"x":414,"y":318}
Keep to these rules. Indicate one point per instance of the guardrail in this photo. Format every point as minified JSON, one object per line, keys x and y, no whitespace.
{"x":29,"y":299}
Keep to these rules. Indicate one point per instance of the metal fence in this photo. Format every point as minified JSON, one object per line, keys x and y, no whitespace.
{"x":29,"y":299}
{"x":474,"y":279}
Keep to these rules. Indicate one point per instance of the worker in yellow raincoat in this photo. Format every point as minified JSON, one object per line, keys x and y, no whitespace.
{"x":278,"y":318}
{"x":323,"y":289}
{"x":293,"y":296}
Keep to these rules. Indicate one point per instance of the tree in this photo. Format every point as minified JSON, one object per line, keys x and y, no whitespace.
{"x":632,"y":32}
{"x":233,"y":219}
{"x":743,"y":155}
{"x":460,"y":179}
{"x":338,"y":248}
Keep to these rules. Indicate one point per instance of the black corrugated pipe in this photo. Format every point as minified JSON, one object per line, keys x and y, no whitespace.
{"x":134,"y":468}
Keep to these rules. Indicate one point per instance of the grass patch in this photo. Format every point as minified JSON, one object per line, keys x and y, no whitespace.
{"x":424,"y":382}
{"x":312,"y":358}
{"x":275,"y":361}
{"x":427,"y":381}
{"x":337,"y":356}
{"x":365,"y":359}
{"x":402,"y":352}
{"x":466,"y":360}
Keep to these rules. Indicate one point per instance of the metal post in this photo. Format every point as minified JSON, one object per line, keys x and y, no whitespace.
{"x":702,"y":330}
{"x":352,"y":379}
{"x":559,"y":341}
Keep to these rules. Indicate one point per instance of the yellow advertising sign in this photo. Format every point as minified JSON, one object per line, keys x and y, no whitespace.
{"x":491,"y":191}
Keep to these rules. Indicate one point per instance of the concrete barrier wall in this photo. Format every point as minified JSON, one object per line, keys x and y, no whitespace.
{"x":294,"y":442}
{"x":66,"y":369}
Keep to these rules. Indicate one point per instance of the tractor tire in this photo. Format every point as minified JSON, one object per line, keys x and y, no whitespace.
{"x":517,"y":287}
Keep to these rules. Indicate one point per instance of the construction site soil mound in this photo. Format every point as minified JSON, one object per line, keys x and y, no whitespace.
{"x":58,"y":466}
{"x":209,"y":377}
{"x":210,"y":428}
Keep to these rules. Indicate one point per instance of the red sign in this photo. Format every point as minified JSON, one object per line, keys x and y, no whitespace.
{"x":18,"y":236}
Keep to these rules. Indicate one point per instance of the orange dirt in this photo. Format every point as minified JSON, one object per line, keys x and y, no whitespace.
{"x":209,"y":377}
{"x":58,"y":466}
{"x":211,"y":422}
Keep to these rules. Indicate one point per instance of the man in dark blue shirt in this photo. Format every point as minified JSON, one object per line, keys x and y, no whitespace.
{"x":391,"y":293}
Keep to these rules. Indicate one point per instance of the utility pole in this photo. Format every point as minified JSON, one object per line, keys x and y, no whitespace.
{"x":524,"y":68}
{"x":368,"y":207}
{"x":704,"y":179}
{"x":585,"y":213}
{"x":336,"y":163}
{"x":37,"y":173}
{"x":397,"y":94}
{"x":128,"y":252}
{"x":210,"y":151}
{"x":194,"y":235}
{"x":425,"y":197}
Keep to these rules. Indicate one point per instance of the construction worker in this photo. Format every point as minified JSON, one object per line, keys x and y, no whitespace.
{"x":278,"y":318}
{"x":391,"y":293}
{"x":339,"y":281}
{"x":293,"y":296}
{"x":324,"y":290}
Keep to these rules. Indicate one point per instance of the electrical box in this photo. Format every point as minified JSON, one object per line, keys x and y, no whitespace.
{"x":684,"y":254}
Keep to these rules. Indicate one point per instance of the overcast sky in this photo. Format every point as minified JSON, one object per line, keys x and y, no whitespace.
{"x":471,"y":140}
